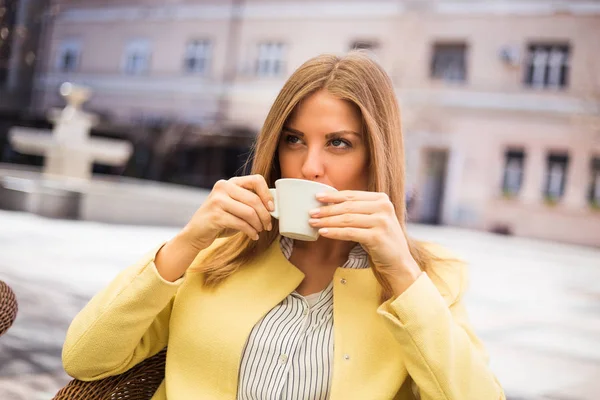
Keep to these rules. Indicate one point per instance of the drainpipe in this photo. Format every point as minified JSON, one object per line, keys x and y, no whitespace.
{"x":231,"y":60}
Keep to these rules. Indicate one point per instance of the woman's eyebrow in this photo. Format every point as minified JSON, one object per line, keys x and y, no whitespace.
{"x":294,"y":131}
{"x":342,"y":132}
{"x":328,"y":136}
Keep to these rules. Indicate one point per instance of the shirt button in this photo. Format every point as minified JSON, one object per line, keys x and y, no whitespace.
{"x":305,"y":312}
{"x":346,"y":357}
{"x":283,"y":358}
{"x":343,"y":281}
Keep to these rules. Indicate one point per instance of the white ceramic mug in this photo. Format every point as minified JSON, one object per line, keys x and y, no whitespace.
{"x":294,"y":198}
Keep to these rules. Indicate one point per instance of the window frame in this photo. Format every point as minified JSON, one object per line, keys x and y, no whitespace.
{"x":371,"y":45}
{"x":269,"y":64}
{"x":137,"y":47}
{"x":556,"y":158}
{"x":191,"y":53}
{"x":513,"y":154}
{"x":69,"y":45}
{"x":437,"y":73}
{"x":594,"y":191}
{"x":547,"y":65}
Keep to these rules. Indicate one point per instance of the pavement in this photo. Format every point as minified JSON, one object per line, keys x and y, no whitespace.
{"x":535,"y":304}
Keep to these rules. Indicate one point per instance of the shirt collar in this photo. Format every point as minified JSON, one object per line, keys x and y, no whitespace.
{"x":357,"y":259}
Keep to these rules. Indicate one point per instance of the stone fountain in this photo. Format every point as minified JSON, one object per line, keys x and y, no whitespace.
{"x":69,"y":153}
{"x":65,"y":186}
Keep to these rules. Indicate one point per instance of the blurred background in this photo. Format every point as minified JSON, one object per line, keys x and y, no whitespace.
{"x":117,"y":117}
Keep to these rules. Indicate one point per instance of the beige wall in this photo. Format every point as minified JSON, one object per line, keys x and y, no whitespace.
{"x":475,"y":121}
{"x":486,"y":34}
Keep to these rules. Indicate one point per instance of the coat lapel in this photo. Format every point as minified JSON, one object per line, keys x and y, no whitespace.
{"x":364,"y":350}
{"x":226,"y":315}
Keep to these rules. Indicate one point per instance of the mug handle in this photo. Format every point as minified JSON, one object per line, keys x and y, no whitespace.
{"x":274,"y":213}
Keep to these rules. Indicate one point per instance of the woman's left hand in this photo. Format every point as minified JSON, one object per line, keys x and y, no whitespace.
{"x":369,"y":218}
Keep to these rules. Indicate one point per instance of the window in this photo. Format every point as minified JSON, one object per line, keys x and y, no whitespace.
{"x":197,"y":56}
{"x":369,"y":45}
{"x":556,"y":175}
{"x":137,"y":57}
{"x":547,"y":66}
{"x":449,"y":62}
{"x":69,"y":55}
{"x":270,"y":59}
{"x":595,"y":182}
{"x":513,"y":172}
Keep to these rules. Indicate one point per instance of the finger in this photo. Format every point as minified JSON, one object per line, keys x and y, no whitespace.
{"x":348,"y":207}
{"x":230,"y":221}
{"x":349,"y":195}
{"x":251,"y":199}
{"x":258,"y":185}
{"x":242,"y":211}
{"x":358,"y":235}
{"x":346,"y":221}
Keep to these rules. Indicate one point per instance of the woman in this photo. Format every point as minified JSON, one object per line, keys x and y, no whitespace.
{"x":362,"y":313}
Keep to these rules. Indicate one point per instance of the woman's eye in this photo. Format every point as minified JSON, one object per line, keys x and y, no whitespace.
{"x":292,"y":139}
{"x":339,"y":143}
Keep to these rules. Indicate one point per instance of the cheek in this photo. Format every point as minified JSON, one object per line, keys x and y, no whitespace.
{"x":349,"y":173}
{"x":287,"y":161}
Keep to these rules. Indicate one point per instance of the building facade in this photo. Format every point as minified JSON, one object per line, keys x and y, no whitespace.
{"x":500,"y":100}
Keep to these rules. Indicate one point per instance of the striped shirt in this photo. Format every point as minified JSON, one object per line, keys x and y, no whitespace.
{"x":289,"y":353}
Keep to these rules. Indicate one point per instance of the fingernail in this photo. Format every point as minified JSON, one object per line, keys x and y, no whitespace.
{"x":313,"y":221}
{"x":320,"y":195}
{"x":256,"y":237}
{"x":269,"y":227}
{"x":314,"y":211}
{"x":271,"y":206}
{"x":323,"y":231}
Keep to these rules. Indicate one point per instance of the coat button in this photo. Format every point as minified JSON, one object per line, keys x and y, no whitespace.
{"x":346,"y":357}
{"x":343,"y":281}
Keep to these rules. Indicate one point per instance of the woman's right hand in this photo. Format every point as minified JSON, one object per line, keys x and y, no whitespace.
{"x":240,"y":204}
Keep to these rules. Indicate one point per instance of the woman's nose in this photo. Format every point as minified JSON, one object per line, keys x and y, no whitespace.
{"x":313,"y":165}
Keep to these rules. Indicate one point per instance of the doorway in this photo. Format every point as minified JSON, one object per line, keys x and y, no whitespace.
{"x":435,"y":165}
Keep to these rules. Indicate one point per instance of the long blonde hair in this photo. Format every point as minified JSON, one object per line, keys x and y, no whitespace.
{"x":358,"y":79}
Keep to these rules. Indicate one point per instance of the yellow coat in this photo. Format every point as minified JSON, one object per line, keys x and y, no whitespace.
{"x":423,"y":334}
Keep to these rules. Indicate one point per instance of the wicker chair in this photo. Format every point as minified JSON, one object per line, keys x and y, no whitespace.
{"x":139,"y":383}
{"x":8,"y":307}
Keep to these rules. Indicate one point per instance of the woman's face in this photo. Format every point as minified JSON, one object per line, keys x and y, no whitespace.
{"x":323,"y":142}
